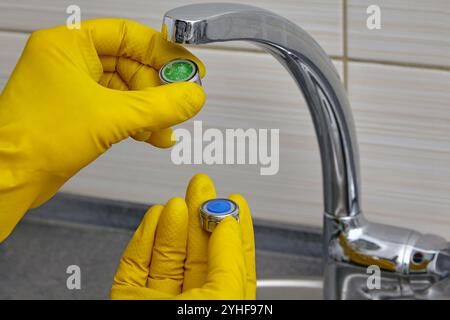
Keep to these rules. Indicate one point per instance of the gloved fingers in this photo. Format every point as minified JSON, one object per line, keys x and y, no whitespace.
{"x":169,"y":251}
{"x":137,"y":77}
{"x":200,"y":189}
{"x":120,"y":38}
{"x":226,"y":273}
{"x":131,"y":55}
{"x":134,"y":265}
{"x":126,"y":74}
{"x":124,"y":292}
{"x":127,"y":38}
{"x":113,"y":80}
{"x":109,"y":63}
{"x":248,"y":243}
{"x":162,"y":139}
{"x":226,"y":260}
{"x":141,"y":135}
{"x":156,"y":108}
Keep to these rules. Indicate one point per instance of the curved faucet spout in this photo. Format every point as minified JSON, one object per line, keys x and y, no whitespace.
{"x":310,"y":67}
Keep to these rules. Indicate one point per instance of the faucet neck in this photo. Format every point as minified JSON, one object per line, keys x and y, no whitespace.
{"x":311,"y":69}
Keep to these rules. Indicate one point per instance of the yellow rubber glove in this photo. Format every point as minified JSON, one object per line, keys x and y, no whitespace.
{"x":171,"y":257}
{"x":72,"y":95}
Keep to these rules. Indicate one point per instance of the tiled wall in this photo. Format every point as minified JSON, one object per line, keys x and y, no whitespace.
{"x":398,"y":79}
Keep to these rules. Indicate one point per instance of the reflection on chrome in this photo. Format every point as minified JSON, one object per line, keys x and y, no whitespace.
{"x":413,"y":265}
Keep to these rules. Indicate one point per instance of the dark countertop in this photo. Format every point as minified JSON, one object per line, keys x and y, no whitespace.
{"x":92,"y":233}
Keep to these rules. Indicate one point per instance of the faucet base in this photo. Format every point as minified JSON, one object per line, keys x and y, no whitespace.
{"x":366,"y":260}
{"x":346,"y":282}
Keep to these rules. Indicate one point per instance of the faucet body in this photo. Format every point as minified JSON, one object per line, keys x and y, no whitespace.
{"x":351,"y":243}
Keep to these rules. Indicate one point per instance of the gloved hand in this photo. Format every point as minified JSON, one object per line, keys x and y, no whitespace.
{"x":171,"y":257}
{"x":72,"y":95}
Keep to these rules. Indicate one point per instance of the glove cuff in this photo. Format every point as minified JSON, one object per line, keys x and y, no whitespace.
{"x":20,"y":191}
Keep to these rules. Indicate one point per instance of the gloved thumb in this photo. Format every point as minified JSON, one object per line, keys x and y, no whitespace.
{"x":157,"y":108}
{"x":226,"y":265}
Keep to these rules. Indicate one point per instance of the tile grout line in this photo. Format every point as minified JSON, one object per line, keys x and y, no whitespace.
{"x":16,"y":31}
{"x":411,"y":65}
{"x":345,"y":59}
{"x":344,"y":38}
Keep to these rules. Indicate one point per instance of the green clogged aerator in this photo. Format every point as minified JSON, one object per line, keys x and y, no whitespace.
{"x":179,"y":70}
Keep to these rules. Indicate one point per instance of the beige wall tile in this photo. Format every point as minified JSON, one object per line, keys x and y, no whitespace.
{"x":413,"y":31}
{"x":11,"y":45}
{"x":237,"y":97}
{"x":322,"y":18}
{"x":402,"y":117}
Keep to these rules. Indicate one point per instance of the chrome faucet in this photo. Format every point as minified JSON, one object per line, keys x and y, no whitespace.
{"x":411,"y":265}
